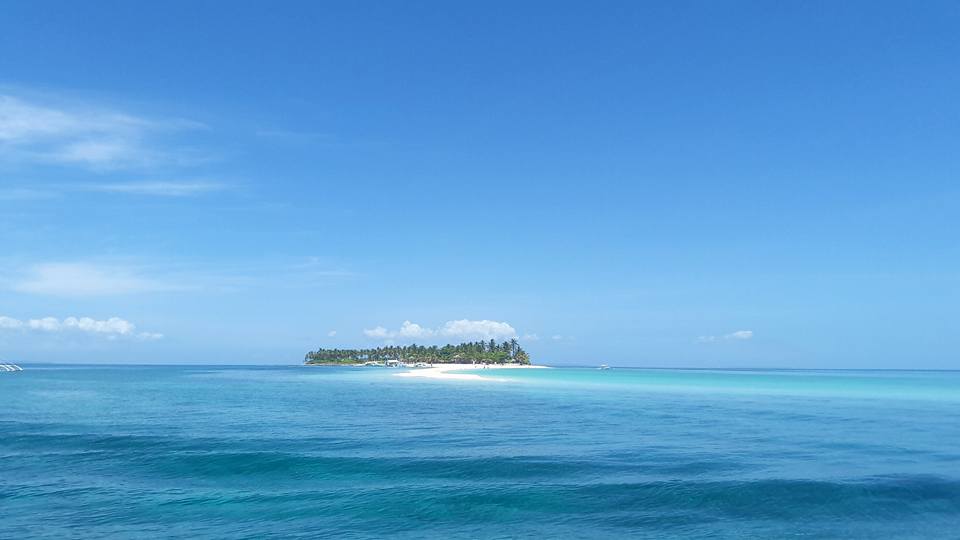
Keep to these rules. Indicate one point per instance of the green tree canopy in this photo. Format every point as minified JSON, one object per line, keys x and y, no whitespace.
{"x":508,"y":352}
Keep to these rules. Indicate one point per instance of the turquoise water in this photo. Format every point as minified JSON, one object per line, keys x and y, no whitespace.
{"x":296,"y":452}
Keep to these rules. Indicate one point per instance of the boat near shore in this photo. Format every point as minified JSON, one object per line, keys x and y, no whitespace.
{"x":10,"y":367}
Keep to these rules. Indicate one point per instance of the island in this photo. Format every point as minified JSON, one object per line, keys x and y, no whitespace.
{"x":477,"y":352}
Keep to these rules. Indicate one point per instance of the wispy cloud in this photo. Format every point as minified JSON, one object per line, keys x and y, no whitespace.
{"x":111,"y":328}
{"x":143,"y":188}
{"x":460,"y":329}
{"x":84,"y":279}
{"x":294,"y":134}
{"x":739,"y":335}
{"x":27,"y":194}
{"x":158,"y":189}
{"x":84,"y":135}
{"x":121,"y":276}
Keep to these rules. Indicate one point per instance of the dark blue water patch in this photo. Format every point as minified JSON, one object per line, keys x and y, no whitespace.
{"x":198,"y":461}
{"x":641,"y":507}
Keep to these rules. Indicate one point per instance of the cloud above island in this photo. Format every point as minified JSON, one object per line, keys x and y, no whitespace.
{"x":463,"y":329}
{"x":111,"y":328}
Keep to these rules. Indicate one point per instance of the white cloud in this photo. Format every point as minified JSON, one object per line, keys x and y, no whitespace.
{"x":377,"y":333}
{"x":48,"y":324}
{"x":10,"y":323}
{"x":332,"y":333}
{"x":82,"y":279}
{"x":414,"y":331}
{"x":93,"y":137}
{"x":738,"y":335}
{"x":460,"y":329}
{"x":530,"y":337}
{"x":112,"y":327}
{"x":464,"y":328}
{"x":556,"y":337}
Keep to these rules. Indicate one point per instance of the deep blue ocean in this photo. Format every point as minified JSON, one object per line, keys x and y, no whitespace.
{"x":311,"y":452}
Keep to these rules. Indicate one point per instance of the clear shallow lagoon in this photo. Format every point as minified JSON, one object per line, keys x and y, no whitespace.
{"x":241,"y":452}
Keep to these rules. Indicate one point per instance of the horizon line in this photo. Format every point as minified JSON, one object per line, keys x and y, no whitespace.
{"x":665,"y":368}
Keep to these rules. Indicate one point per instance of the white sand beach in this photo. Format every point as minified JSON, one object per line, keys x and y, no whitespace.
{"x":442,"y":371}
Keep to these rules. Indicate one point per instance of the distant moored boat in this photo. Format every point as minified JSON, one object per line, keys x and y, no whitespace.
{"x":10,"y":367}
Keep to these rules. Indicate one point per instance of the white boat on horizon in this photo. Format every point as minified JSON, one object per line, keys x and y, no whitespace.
{"x":10,"y":367}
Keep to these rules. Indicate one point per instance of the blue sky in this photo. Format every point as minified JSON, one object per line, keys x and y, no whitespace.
{"x":664,"y":184}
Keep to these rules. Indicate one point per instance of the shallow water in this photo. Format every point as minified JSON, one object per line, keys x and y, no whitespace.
{"x":241,"y":452}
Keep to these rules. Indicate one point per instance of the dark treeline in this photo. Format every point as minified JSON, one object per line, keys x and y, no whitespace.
{"x":478,"y":351}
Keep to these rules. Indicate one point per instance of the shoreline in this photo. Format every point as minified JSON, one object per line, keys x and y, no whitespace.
{"x":442,"y":371}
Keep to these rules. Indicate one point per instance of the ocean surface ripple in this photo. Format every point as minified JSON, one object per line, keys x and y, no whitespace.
{"x":295,"y":452}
